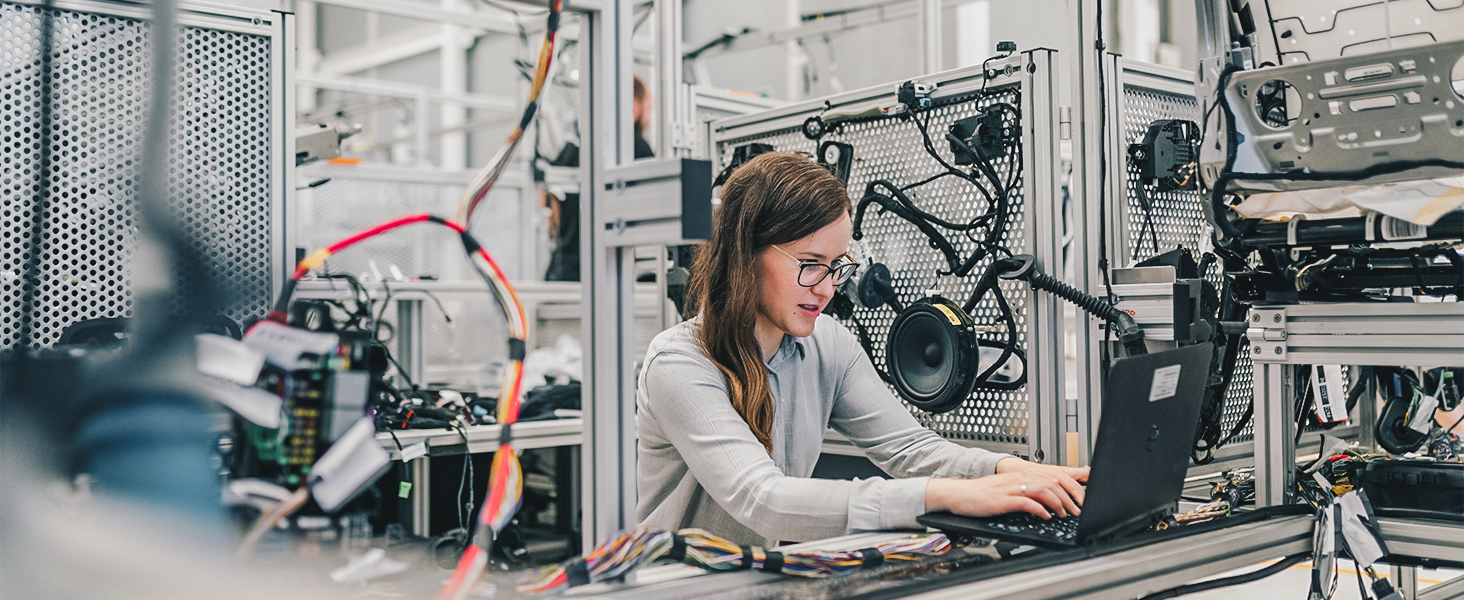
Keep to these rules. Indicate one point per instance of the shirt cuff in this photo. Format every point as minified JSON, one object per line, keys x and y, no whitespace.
{"x":889,"y":504}
{"x":985,"y":464}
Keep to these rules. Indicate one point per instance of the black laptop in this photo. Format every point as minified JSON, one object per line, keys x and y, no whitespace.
{"x":1151,"y":407}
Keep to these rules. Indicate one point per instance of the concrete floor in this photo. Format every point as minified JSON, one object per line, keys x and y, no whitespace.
{"x":1295,"y":583}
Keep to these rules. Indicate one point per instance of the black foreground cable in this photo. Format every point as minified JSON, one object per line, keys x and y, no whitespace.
{"x":1223,"y":582}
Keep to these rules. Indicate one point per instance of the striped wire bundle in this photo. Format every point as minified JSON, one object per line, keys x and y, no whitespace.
{"x":505,"y":487}
{"x":505,"y":482}
{"x":636,"y":548}
{"x":488,"y":175}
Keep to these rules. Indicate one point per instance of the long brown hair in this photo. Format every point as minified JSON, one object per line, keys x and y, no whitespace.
{"x":775,"y":198}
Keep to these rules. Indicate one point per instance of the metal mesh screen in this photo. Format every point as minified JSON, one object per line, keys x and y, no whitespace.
{"x":893,"y":150}
{"x":220,"y":164}
{"x":1178,"y":219}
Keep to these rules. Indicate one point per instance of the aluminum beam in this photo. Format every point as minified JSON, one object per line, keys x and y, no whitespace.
{"x":1147,"y":569}
{"x":427,"y":12}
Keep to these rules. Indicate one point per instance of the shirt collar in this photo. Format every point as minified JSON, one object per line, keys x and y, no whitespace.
{"x":786,"y":350}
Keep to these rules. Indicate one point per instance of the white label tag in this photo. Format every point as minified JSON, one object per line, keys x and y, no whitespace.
{"x":1329,"y":538}
{"x":1423,"y":419}
{"x":1331,"y":405}
{"x":1166,"y":383}
{"x":287,"y":347}
{"x":1364,"y":544}
{"x":414,"y":451}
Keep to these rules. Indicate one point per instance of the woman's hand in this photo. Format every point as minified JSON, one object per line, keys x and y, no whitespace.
{"x":1042,"y":490}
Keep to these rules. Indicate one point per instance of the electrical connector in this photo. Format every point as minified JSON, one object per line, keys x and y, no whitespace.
{"x":1383,"y":589}
{"x":915,"y":94}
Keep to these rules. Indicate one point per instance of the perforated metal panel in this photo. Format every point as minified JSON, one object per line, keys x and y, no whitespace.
{"x":892,"y":149}
{"x":220,"y":167}
{"x":1178,"y":216}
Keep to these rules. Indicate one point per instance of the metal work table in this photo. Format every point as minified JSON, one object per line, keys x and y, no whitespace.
{"x":479,"y":439}
{"x":1124,"y":574}
{"x":484,"y":438}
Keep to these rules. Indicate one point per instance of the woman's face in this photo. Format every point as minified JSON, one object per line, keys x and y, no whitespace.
{"x":785,"y":305}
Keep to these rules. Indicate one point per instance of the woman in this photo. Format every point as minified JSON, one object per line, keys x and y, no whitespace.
{"x":733,"y":404}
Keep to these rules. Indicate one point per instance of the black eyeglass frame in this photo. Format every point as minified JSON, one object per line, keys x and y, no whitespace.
{"x":842,"y":272}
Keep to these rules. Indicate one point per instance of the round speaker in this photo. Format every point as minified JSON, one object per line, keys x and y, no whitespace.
{"x":932,"y":354}
{"x":1392,"y":430}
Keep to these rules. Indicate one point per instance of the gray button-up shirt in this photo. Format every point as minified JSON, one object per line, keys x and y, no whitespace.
{"x":700,"y":466}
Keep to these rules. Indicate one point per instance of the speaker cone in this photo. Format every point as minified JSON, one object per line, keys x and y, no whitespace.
{"x":932,"y":355}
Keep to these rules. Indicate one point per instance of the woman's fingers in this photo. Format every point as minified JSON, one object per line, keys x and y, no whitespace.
{"x":1028,"y":505}
{"x":1073,"y":489}
{"x":1079,"y":474}
{"x":1052,"y":499}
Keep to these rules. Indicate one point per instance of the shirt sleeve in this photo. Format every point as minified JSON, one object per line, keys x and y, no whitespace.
{"x":873,"y":419}
{"x":687,"y":396}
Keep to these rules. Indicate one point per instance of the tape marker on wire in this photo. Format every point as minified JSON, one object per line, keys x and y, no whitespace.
{"x":576,"y":572}
{"x":871,"y":557}
{"x":772,"y":562}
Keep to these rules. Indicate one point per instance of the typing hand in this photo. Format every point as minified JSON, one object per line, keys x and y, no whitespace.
{"x":1042,"y":490}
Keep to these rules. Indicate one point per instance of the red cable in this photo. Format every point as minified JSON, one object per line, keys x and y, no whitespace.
{"x":302,"y":269}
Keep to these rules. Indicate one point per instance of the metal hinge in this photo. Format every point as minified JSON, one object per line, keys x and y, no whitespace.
{"x":1267,"y":334}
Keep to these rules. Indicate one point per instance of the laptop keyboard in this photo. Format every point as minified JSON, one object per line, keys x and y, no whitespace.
{"x":1058,"y":528}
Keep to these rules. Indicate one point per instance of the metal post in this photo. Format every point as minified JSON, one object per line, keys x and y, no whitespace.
{"x":419,"y":130}
{"x":409,"y":341}
{"x":1367,"y":415}
{"x":930,"y":42}
{"x":1275,"y":449}
{"x":1406,"y":581}
{"x":282,"y":159}
{"x":672,"y":98}
{"x":309,"y":51}
{"x":419,"y":510}
{"x":453,"y":72}
{"x":1045,"y":321}
{"x":608,"y":453}
{"x":1094,"y":79}
{"x":1213,"y":21}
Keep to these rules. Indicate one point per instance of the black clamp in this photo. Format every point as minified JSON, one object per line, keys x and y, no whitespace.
{"x":505,"y":434}
{"x":576,"y":572}
{"x":746,"y":558}
{"x":772,"y":562}
{"x":870,"y":557}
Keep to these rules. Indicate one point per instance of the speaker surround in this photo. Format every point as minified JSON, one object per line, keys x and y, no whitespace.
{"x":932,"y":354}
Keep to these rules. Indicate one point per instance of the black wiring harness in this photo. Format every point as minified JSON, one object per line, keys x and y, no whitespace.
{"x":984,"y":231}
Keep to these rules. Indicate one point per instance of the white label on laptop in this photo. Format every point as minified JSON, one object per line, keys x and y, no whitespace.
{"x":1166,"y":383}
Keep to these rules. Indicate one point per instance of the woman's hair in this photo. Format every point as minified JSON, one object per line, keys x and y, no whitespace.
{"x":775,"y":198}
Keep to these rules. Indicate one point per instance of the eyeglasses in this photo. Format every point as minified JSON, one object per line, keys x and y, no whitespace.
{"x":813,"y":273}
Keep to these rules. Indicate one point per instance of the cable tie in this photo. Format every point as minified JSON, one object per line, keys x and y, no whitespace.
{"x":576,"y":572}
{"x":746,"y":557}
{"x":772,"y":562}
{"x":517,"y":349}
{"x":469,"y":242}
{"x":871,"y":557}
{"x":505,"y":434}
{"x":678,"y":547}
